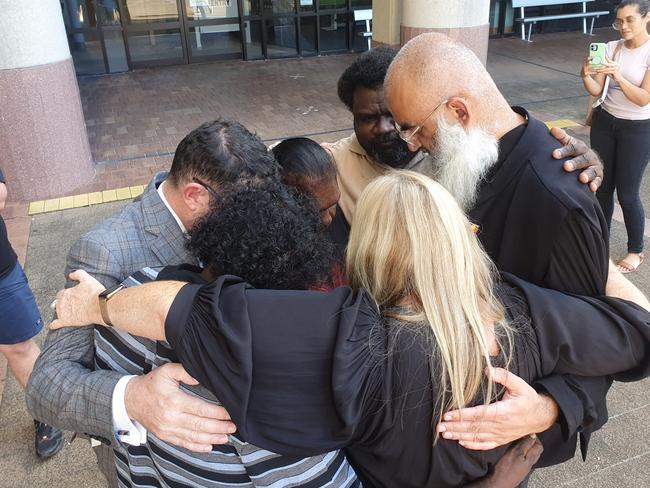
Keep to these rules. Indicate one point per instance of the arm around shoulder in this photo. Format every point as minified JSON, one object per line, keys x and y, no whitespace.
{"x":64,"y":388}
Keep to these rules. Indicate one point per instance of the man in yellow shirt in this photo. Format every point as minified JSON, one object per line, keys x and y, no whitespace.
{"x":375,"y":146}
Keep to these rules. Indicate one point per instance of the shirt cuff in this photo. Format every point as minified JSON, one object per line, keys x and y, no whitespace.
{"x":568,"y":410}
{"x":126,"y":430}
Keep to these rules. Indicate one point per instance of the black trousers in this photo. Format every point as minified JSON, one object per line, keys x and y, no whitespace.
{"x":624,"y":147}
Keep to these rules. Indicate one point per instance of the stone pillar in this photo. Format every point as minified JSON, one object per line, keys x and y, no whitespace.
{"x":466,"y":21}
{"x":386,"y":20}
{"x":44,"y":149}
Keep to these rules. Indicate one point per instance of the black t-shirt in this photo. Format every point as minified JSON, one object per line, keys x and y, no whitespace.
{"x":302,"y":372}
{"x":539,"y":223}
{"x":7,"y":255}
{"x":542,"y":225}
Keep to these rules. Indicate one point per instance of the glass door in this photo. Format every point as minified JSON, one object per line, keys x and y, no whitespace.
{"x":95,"y":36}
{"x":154,"y":32}
{"x":213,"y":29}
{"x":109,"y":36}
{"x":502,"y":18}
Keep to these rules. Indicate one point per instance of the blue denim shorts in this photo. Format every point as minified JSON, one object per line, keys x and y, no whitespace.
{"x":19,"y":316}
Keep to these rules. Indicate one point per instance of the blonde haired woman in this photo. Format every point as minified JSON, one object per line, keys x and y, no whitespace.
{"x":413,"y":249}
{"x":372,"y":368}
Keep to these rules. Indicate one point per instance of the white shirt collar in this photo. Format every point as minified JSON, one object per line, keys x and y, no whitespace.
{"x":169,"y":207}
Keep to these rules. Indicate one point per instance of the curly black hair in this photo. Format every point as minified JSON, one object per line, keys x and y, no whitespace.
{"x":268,"y":235}
{"x":367,"y":71}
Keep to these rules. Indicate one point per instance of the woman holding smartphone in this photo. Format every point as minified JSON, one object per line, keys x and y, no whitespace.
{"x":620,"y":130}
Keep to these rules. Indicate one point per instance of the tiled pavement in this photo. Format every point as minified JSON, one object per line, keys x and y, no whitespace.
{"x":146,"y":113}
{"x":135,"y":121}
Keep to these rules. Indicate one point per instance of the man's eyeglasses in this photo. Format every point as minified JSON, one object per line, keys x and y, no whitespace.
{"x":619,"y":23}
{"x":210,"y":190}
{"x":407,"y":134}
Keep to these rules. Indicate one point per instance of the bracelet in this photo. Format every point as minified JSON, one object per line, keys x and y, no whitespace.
{"x":104,"y":298}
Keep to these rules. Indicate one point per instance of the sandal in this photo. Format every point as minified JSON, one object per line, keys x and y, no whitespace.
{"x":625,"y":267}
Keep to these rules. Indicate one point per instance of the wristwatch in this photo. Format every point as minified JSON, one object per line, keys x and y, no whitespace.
{"x":104,"y":297}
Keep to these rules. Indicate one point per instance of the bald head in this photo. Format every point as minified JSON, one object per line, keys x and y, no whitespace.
{"x":446,"y":102}
{"x":431,"y":68}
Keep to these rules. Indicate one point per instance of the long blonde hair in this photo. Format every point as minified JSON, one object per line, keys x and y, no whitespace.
{"x":412,"y":245}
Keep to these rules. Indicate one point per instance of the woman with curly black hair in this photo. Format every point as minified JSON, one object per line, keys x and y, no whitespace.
{"x":271,"y":234}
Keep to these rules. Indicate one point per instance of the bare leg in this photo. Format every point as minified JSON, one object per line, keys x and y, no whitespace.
{"x":21,"y":358}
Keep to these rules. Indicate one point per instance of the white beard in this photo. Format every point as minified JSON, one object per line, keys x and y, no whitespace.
{"x":461,"y":159}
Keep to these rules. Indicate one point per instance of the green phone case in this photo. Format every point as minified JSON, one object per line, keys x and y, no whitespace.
{"x":597,"y":52}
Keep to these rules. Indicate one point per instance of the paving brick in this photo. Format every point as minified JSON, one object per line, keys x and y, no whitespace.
{"x":160,"y":106}
{"x":36,"y":207}
{"x":123,"y":193}
{"x":95,"y":198}
{"x":109,"y":196}
{"x":66,"y":203}
{"x":81,"y":200}
{"x":51,"y":205}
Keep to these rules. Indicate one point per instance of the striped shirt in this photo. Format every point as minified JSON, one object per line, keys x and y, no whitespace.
{"x":237,"y":464}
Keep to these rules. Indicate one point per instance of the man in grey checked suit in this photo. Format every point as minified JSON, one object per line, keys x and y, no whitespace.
{"x":65,"y":388}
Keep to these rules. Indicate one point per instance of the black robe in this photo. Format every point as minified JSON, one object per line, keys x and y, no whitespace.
{"x":542,"y":225}
{"x":304,"y":372}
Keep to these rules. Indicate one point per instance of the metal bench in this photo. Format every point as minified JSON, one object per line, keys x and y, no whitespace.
{"x":522,"y":4}
{"x":364,"y":15}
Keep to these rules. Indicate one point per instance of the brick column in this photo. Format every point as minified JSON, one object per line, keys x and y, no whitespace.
{"x":43,"y":142}
{"x":466,"y":21}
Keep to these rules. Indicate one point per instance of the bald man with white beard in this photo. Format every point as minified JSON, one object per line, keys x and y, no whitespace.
{"x":533,"y":220}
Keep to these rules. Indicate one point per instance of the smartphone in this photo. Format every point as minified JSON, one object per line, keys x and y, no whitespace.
{"x":597,"y":52}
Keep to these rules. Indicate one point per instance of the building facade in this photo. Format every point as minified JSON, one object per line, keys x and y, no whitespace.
{"x":109,"y":36}
{"x":44,"y":51}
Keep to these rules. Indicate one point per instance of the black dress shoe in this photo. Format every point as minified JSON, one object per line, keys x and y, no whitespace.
{"x":49,"y":440}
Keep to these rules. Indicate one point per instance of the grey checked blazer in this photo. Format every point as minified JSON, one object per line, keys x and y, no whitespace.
{"x":64,"y":390}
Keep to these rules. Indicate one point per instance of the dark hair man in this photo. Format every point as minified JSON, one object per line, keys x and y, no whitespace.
{"x":109,"y":385}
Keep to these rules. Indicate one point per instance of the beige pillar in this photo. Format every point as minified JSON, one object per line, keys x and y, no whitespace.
{"x":44,"y":149}
{"x":395,"y":22}
{"x":386,"y":20}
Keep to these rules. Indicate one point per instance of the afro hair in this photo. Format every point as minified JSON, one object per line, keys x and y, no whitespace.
{"x":367,"y":71}
{"x":268,"y":235}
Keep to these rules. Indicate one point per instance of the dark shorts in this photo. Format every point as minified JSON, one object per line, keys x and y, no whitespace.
{"x":19,"y":316}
